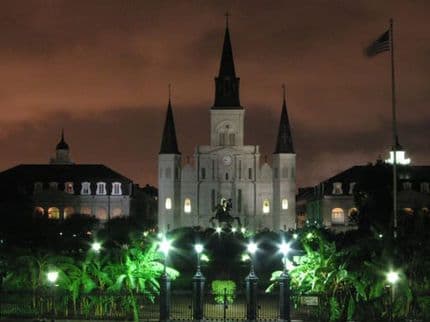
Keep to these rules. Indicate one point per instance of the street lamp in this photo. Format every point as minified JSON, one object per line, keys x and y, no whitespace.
{"x":96,"y":246}
{"x":164,"y":246}
{"x":52,"y":277}
{"x":218,"y":230}
{"x":251,"y":282}
{"x":392,"y":278}
{"x":284,"y":284}
{"x":198,"y":286}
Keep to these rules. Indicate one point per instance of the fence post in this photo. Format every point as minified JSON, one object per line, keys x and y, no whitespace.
{"x":225,"y":305}
{"x":165,"y":298}
{"x":198,"y":289}
{"x":284,"y":297}
{"x":251,"y":282}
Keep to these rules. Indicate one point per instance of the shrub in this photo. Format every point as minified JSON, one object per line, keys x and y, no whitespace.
{"x":221,"y":288}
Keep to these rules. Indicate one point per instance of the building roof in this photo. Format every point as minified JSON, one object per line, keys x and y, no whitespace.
{"x":30,"y":173}
{"x":284,"y":142}
{"x":169,"y":144}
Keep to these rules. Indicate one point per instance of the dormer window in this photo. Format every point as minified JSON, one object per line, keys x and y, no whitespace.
{"x":101,"y":188}
{"x":68,"y":187}
{"x":337,"y":188}
{"x":351,"y":188}
{"x":38,"y":186}
{"x":53,"y":185}
{"x":407,"y":185}
{"x":116,"y":189}
{"x":86,"y":188}
{"x":425,"y":187}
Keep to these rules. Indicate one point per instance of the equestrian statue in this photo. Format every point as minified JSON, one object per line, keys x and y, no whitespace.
{"x":222,"y":214}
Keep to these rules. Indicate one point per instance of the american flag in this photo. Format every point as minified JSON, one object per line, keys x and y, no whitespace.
{"x":379,"y":45}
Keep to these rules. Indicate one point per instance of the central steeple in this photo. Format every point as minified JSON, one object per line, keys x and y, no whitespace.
{"x":227,"y":84}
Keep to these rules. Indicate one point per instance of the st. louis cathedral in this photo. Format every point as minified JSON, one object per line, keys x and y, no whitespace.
{"x":259,"y":195}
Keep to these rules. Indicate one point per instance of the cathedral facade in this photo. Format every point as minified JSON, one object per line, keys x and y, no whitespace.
{"x":262,"y":196}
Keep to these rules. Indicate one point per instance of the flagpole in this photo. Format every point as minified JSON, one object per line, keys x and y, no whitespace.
{"x":394,"y":127}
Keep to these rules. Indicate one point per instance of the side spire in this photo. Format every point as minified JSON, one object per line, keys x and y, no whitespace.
{"x":284,"y":143}
{"x":62,"y":145}
{"x":169,"y":144}
{"x":227,"y":84}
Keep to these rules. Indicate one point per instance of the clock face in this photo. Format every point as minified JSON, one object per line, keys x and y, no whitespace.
{"x":227,"y":159}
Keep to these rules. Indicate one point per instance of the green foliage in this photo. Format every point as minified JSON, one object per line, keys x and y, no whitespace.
{"x":223,"y":289}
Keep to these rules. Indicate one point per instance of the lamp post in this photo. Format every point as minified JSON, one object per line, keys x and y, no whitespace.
{"x":198,"y":286}
{"x":251,"y":282}
{"x":165,"y":283}
{"x":284,"y":285}
{"x":52,"y":278}
{"x":392,"y":278}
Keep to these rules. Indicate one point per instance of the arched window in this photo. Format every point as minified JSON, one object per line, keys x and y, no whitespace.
{"x":116,"y":212}
{"x":187,"y":205}
{"x":86,"y":211}
{"x":68,"y":211}
{"x":266,"y":206}
{"x":168,"y":204}
{"x":54,"y":213}
{"x":102,"y":214}
{"x":337,"y":216}
{"x":284,"y":203}
{"x":232,"y":138}
{"x":39,"y":211}
{"x":353,"y":215}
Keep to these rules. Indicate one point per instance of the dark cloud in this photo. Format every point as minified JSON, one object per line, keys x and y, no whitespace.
{"x":101,"y":68}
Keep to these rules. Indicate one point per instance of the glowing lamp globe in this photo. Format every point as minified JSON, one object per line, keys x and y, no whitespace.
{"x":52,"y":276}
{"x":284,"y":248}
{"x":165,"y":246}
{"x":198,"y":248}
{"x":96,"y":246}
{"x":218,"y":230}
{"x":252,"y":248}
{"x":393,"y":277}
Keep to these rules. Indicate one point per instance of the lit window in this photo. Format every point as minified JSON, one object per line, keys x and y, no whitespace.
{"x":53,"y":213}
{"x":116,"y":212}
{"x":116,"y":189}
{"x":101,"y":214}
{"x":53,"y":185}
{"x":337,"y":216}
{"x":407,"y":186}
{"x":284,"y":203}
{"x":86,"y":188}
{"x":266,"y":206}
{"x":425,"y":187}
{"x":408,"y":211}
{"x":39,"y":211}
{"x":68,"y":211}
{"x":38,"y":186}
{"x":68,"y":187}
{"x":187,"y":205}
{"x":337,"y":188}
{"x":86,"y":211}
{"x":168,"y":203}
{"x":101,"y":188}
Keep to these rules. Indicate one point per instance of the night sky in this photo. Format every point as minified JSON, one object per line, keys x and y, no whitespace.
{"x":101,"y":69}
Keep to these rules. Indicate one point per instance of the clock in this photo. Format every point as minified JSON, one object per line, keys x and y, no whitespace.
{"x":227,"y":159}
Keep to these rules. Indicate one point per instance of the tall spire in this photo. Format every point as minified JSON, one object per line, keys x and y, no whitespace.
{"x":227,"y":84}
{"x":284,"y":143}
{"x":169,"y":144}
{"x":62,"y":145}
